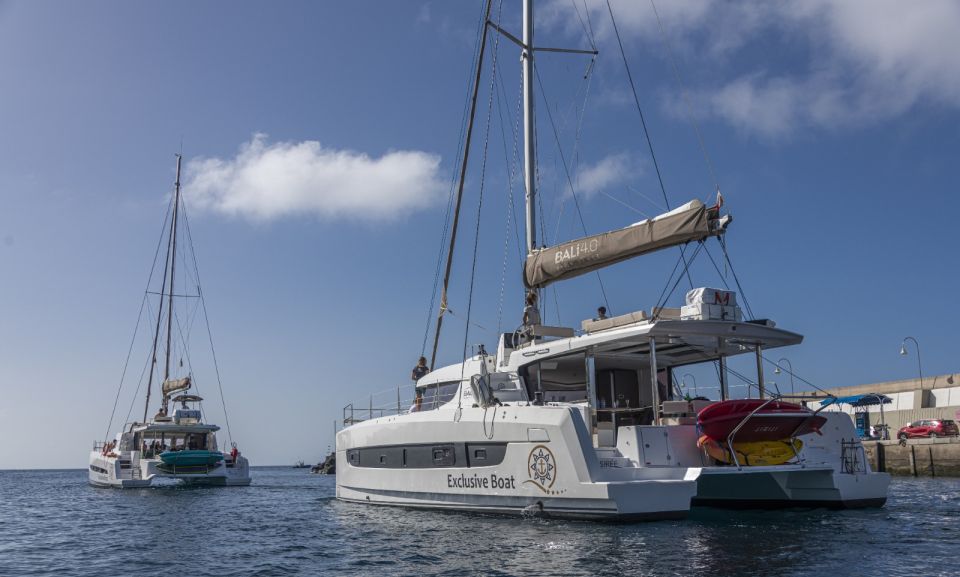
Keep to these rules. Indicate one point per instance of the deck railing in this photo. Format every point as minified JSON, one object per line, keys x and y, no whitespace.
{"x":394,"y":401}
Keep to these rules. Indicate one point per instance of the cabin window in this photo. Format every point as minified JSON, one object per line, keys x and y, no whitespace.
{"x":558,"y":380}
{"x":439,"y":393}
{"x":443,"y":456}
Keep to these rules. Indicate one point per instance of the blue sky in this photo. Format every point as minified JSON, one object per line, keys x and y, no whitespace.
{"x":320,"y":141}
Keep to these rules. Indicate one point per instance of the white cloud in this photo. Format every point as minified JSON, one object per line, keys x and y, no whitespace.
{"x":610,"y":171}
{"x":266,"y":181}
{"x":822,"y":63}
{"x":424,"y":16}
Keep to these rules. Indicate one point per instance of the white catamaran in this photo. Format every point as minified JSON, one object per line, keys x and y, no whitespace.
{"x":175,"y":443}
{"x":588,"y":423}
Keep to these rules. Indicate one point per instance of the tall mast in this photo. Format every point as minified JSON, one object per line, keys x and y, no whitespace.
{"x":173,"y":265}
{"x":163,"y":284}
{"x":529,"y":152}
{"x":463,"y":177}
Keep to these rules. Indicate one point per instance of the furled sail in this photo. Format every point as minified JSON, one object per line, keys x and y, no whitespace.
{"x":692,"y":221}
{"x":171,"y":386}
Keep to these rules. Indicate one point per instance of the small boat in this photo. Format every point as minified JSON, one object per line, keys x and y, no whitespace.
{"x":753,"y":454}
{"x":301,"y":465}
{"x":191,"y":458}
{"x":752,"y":420}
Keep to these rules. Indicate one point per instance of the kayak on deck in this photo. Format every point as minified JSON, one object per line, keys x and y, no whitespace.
{"x":755,"y":453}
{"x":772,"y":421}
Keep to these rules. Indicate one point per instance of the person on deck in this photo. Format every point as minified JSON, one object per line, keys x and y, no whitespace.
{"x":531,"y":314}
{"x":417,"y":403}
{"x":420,"y":370}
{"x":601,"y":313}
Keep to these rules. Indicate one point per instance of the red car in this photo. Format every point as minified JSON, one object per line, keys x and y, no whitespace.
{"x":929,"y":428}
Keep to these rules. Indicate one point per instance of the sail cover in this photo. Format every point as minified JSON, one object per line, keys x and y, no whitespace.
{"x":171,"y":386}
{"x":692,"y":221}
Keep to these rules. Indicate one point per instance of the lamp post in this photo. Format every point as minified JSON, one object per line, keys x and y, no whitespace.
{"x":777,"y":371}
{"x":683,"y":380}
{"x":903,"y":353}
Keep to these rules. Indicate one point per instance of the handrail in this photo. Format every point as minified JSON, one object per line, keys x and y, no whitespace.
{"x":385,"y":403}
{"x":778,"y":398}
{"x":733,"y":433}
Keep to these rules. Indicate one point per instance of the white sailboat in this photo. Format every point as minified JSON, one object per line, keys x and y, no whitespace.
{"x":586,"y":424}
{"x":175,"y":443}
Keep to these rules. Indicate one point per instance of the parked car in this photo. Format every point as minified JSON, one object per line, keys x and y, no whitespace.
{"x":929,"y":428}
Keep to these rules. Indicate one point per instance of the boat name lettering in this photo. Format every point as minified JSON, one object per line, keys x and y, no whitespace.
{"x":475,"y":481}
{"x":576,"y":250}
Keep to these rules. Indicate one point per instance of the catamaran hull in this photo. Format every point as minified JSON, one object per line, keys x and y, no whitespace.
{"x":781,"y":487}
{"x":834,"y":473}
{"x":133,"y":473}
{"x":542,"y":462}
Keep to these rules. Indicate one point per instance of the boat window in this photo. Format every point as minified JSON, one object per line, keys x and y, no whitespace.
{"x":443,"y":456}
{"x":439,"y":394}
{"x":561,"y":379}
{"x":507,"y":387}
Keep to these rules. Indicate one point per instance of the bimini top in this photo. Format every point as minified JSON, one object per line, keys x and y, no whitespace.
{"x":173,"y":428}
{"x":858,"y":400}
{"x":678,"y":342}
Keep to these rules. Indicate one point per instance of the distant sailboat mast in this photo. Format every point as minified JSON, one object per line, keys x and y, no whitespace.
{"x":173,"y":266}
{"x":169,"y":266}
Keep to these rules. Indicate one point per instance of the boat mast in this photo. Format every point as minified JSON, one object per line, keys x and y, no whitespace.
{"x":529,"y":152}
{"x":156,"y":332}
{"x":173,"y":266}
{"x":463,"y":177}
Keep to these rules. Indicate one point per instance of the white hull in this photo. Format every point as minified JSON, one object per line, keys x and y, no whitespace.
{"x":530,"y":440}
{"x":128,"y":471}
{"x":789,"y":486}
{"x":826,"y":476}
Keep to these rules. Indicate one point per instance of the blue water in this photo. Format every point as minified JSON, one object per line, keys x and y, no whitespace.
{"x":288,"y":523}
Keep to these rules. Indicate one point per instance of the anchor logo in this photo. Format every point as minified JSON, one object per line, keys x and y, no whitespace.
{"x":542,"y":468}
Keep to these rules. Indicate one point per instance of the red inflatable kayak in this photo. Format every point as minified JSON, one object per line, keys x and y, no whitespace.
{"x":776,"y":420}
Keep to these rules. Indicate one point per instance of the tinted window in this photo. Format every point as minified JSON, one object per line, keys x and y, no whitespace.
{"x":438,"y":394}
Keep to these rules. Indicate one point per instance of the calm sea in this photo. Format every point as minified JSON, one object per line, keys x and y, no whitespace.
{"x":288,"y":523}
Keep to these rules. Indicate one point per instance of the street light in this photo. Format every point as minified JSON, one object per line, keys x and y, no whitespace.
{"x":683,"y":381}
{"x":777,"y":371}
{"x":903,"y":353}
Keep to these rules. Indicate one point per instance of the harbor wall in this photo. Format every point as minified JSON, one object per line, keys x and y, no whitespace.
{"x":917,"y":458}
{"x":936,"y":397}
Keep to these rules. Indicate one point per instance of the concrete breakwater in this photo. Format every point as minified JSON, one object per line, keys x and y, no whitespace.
{"x":918,"y":458}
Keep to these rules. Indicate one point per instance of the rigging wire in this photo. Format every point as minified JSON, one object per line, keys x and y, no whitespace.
{"x":664,"y":296}
{"x":133,"y":339}
{"x":451,"y":195}
{"x":723,"y":278}
{"x":483,"y":176}
{"x":736,"y":279}
{"x":206,"y":320}
{"x":643,"y":122}
{"x":461,"y":180}
{"x":511,"y":206}
{"x":566,"y":171}
{"x":116,"y":399}
{"x":143,"y":373}
{"x":686,"y":96}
